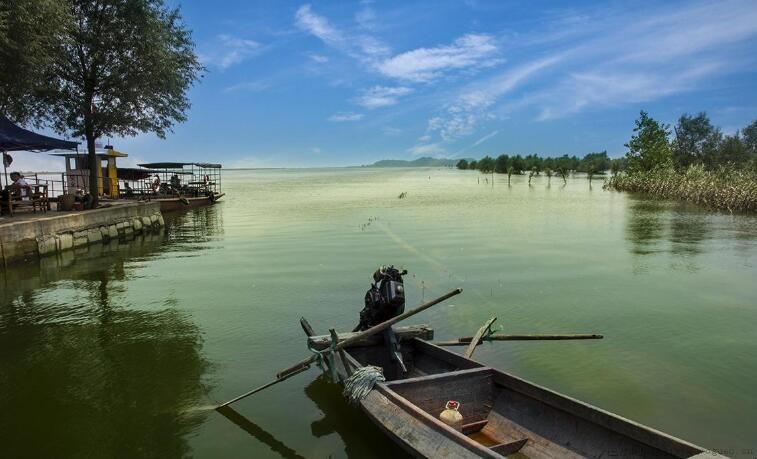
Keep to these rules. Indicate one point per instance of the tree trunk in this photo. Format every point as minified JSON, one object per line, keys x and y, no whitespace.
{"x":94,"y":164}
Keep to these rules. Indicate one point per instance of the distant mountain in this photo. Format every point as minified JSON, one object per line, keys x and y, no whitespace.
{"x":420,"y":162}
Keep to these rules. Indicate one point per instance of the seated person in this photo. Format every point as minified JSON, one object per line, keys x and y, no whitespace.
{"x":84,"y":198}
{"x":175,"y":182}
{"x":19,"y":183}
{"x":19,"y":187}
{"x":155,"y":184}
{"x":128,"y":190}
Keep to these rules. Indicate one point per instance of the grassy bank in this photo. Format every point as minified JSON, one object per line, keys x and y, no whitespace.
{"x":729,"y":189}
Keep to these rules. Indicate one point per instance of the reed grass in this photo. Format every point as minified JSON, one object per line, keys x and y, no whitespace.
{"x":726,"y":188}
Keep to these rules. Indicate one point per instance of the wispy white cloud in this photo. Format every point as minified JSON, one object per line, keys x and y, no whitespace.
{"x":626,"y":58}
{"x":360,"y":46}
{"x":643,"y":60}
{"x":471,"y":107}
{"x":382,"y":96}
{"x":484,"y":138}
{"x":318,"y":58}
{"x":426,"y":64}
{"x":345,"y":117}
{"x":428,"y":149}
{"x":366,"y":18}
{"x":230,"y":50}
{"x":317,"y":25}
{"x":602,"y":89}
{"x":251,"y":86}
{"x":470,"y":52}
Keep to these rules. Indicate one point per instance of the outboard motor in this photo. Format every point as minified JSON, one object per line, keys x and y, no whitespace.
{"x":383,"y":301}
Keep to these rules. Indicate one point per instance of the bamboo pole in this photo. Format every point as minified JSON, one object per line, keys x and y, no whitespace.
{"x":467,"y":340}
{"x":304,"y":364}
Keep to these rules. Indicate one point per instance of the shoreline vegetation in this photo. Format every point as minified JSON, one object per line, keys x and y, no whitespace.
{"x":695,"y":162}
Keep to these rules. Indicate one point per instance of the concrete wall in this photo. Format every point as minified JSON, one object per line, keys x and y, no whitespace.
{"x":52,"y":233}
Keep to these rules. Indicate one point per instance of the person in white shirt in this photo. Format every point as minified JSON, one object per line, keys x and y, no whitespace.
{"x":19,"y":183}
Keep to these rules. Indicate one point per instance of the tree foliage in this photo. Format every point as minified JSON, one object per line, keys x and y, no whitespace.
{"x":118,"y":67}
{"x":462,"y":164}
{"x":29,"y":33}
{"x":649,"y":148}
{"x":486,"y":165}
{"x":696,"y":141}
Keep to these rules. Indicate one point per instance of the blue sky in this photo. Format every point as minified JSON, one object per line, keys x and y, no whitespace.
{"x":336,"y":83}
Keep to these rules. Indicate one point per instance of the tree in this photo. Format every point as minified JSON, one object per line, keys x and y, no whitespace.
{"x":120,"y":67}
{"x":733,"y":151}
{"x":518,"y":164}
{"x":562,"y":171}
{"x":473,"y":165}
{"x":696,"y":142}
{"x":29,"y":31}
{"x":486,"y":165}
{"x":649,"y":148}
{"x":501,"y":163}
{"x":594,"y":163}
{"x":750,"y":138}
{"x":462,"y":164}
{"x":532,"y":162}
{"x":510,"y":171}
{"x":617,"y":165}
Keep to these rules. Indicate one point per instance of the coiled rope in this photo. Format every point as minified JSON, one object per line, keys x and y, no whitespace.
{"x":360,"y":384}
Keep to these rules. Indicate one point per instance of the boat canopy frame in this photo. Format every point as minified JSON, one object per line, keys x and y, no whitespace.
{"x":186,"y":178}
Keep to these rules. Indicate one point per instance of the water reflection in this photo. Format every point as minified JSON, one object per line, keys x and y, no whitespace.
{"x":687,"y":231}
{"x":349,"y":422}
{"x":681,"y":231}
{"x":645,"y":227}
{"x":276,"y":445}
{"x":82,"y":372}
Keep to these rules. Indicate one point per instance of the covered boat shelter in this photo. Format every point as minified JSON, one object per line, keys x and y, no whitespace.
{"x":188,"y":178}
{"x":16,"y":138}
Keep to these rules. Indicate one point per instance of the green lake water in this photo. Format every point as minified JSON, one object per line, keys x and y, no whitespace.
{"x":120,"y":350}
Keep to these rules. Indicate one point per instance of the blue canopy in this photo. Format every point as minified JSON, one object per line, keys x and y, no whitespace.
{"x":14,"y":138}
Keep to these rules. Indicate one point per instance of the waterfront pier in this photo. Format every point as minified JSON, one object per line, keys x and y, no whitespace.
{"x":39,"y":234}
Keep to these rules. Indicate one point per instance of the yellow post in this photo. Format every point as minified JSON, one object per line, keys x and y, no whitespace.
{"x":113,"y":177}
{"x":100,"y":185}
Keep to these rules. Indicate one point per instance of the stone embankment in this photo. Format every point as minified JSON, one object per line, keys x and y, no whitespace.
{"x":50,"y":233}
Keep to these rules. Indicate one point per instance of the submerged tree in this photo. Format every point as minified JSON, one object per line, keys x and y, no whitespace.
{"x":649,"y":148}
{"x":119,"y":67}
{"x":501,"y":164}
{"x":486,"y":165}
{"x":562,"y":171}
{"x":534,"y":171}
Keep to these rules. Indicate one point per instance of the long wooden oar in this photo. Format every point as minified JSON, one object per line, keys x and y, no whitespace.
{"x":303,"y":365}
{"x":467,"y":340}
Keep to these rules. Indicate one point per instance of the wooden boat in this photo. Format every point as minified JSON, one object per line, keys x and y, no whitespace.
{"x":502,"y":413}
{"x":172,"y":203}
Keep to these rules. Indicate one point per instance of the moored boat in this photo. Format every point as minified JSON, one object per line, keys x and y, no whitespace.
{"x":502,"y":413}
{"x":179,"y":186}
{"x":169,"y":204}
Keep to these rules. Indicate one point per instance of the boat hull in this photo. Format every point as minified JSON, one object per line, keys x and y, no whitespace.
{"x":175,"y":204}
{"x":503,"y":414}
